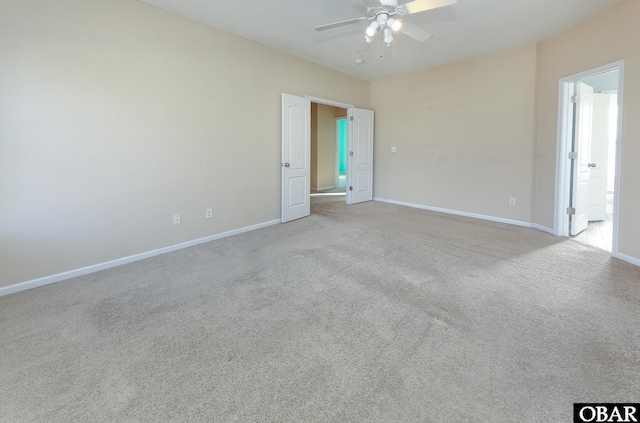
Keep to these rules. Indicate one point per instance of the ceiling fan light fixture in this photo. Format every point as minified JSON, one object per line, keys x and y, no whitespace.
{"x":388,"y":36}
{"x":372,"y":29}
{"x":394,"y":24}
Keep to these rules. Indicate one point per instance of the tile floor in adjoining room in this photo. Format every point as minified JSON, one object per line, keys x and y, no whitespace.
{"x":598,"y":234}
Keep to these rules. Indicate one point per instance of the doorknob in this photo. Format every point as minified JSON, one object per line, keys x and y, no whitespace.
{"x":287,"y":165}
{"x":592,"y":165}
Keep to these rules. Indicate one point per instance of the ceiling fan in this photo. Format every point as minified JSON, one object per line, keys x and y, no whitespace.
{"x":384,"y":17}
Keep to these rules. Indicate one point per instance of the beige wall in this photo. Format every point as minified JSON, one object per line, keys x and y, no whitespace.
{"x":327,"y":147}
{"x":464,"y":134}
{"x":610,"y":36}
{"x":114,"y":115}
{"x":324,"y":149}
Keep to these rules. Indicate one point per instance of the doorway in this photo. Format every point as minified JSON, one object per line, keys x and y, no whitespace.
{"x":328,"y":151}
{"x":296,"y":154}
{"x":588,"y":160}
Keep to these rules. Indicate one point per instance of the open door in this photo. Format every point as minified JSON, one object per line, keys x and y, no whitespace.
{"x":575,"y":152}
{"x":296,"y":157}
{"x":581,"y":156}
{"x":599,"y":158}
{"x":360,"y":172}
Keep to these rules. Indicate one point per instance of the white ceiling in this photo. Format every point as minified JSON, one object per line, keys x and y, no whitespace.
{"x":467,"y":29}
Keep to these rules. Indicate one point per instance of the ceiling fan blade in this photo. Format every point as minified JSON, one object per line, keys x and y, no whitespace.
{"x":418,"y":6}
{"x":373,"y":3}
{"x":415,"y":32}
{"x":341,"y":23}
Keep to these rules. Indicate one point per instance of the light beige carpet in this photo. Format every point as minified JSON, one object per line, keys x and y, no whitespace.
{"x":365,"y":313}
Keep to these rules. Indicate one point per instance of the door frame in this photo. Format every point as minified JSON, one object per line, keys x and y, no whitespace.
{"x":349,"y":132}
{"x":564,"y":144}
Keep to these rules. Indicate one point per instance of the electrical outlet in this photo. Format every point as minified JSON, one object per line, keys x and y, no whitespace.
{"x":208,"y":213}
{"x":176,"y":219}
{"x":512,"y":201}
{"x":394,"y":149}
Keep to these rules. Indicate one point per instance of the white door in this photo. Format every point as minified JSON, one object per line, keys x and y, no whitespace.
{"x":582,"y":143}
{"x":296,"y":157}
{"x":599,"y":157}
{"x":360,"y":171}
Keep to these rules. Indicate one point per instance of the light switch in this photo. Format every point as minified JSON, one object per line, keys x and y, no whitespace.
{"x":394,"y":149}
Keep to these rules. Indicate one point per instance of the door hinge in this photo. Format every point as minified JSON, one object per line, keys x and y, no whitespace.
{"x":571,"y":211}
{"x":573,"y":155}
{"x":351,"y":153}
{"x":575,"y":99}
{"x":350,"y":188}
{"x":351,"y":118}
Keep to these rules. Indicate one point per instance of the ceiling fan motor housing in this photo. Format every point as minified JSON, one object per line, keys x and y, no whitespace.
{"x":389,"y":7}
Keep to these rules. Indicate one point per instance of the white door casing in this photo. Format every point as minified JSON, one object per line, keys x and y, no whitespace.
{"x":360,"y":169}
{"x":581,"y":148}
{"x":296,"y":157}
{"x":566,"y":87}
{"x":599,"y":158}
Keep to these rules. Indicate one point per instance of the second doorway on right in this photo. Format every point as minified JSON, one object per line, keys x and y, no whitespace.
{"x":599,"y":134}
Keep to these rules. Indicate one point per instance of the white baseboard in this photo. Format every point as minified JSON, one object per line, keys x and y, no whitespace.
{"x":543,"y":228}
{"x":620,"y":256}
{"x":324,"y":188}
{"x":457,"y":213}
{"x":628,"y":259}
{"x":47,"y":280}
